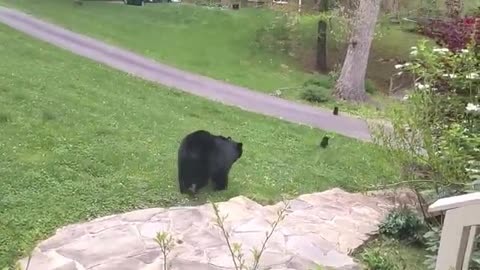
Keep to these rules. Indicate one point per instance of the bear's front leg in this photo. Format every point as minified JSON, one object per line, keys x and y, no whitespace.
{"x":220,"y":179}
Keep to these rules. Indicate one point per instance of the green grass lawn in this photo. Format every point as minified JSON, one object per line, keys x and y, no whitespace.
{"x":79,"y":140}
{"x":212,"y":42}
{"x":405,"y":257}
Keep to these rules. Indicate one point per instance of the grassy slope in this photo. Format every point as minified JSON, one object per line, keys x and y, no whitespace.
{"x":211,"y":42}
{"x":79,"y":140}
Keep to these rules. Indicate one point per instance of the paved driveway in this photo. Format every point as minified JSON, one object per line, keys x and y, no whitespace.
{"x":195,"y":84}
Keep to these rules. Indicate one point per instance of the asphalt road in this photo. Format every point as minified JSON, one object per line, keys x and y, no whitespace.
{"x":148,"y":69}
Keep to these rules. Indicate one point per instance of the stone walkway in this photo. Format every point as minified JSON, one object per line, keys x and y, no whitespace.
{"x":195,"y":84}
{"x":320,"y":228}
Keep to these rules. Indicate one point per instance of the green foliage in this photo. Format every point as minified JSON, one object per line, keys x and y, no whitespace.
{"x":436,"y":134}
{"x":316,"y":94}
{"x":317,"y":91}
{"x":319,"y":82}
{"x":236,"y":252}
{"x":166,"y":243}
{"x":280,"y":35}
{"x":370,"y":87}
{"x":389,"y":252}
{"x":443,"y":119}
{"x":475,"y":12}
{"x":403,"y":224}
{"x":432,"y":243}
{"x":17,"y":266}
{"x":378,"y":258}
{"x":475,"y":259}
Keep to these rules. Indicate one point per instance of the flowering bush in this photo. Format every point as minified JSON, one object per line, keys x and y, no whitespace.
{"x":443,"y":119}
{"x":453,"y":34}
{"x":436,"y":135}
{"x":456,"y":73}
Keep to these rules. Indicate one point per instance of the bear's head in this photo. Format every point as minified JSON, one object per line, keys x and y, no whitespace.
{"x":233,"y":149}
{"x":239,"y":149}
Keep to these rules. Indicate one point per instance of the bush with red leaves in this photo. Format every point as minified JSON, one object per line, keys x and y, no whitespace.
{"x":452,"y":34}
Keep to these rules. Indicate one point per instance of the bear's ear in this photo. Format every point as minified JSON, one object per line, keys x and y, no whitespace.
{"x":229,"y":138}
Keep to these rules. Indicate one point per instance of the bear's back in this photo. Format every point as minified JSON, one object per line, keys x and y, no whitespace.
{"x":198,"y":143}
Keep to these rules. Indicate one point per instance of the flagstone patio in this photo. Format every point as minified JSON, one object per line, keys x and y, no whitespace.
{"x":319,"y":229}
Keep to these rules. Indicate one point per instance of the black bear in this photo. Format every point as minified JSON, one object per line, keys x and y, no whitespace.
{"x":324,"y":142}
{"x":203,"y":156}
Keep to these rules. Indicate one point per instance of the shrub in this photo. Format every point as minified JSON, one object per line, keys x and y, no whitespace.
{"x":453,"y":34}
{"x":377,"y":259}
{"x":443,"y":119}
{"x":317,"y":90}
{"x":438,"y":128}
{"x":319,"y":82}
{"x":317,"y":94}
{"x":370,"y":87}
{"x":403,"y":224}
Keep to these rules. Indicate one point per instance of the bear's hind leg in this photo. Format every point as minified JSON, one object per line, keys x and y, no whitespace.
{"x":192,"y":174}
{"x":181,"y":179}
{"x":182,"y":183}
{"x":220,"y":179}
{"x":193,"y":184}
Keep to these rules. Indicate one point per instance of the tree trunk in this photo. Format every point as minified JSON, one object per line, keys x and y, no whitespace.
{"x":351,"y":83}
{"x":389,"y":6}
{"x":454,"y":8}
{"x":322,"y":39}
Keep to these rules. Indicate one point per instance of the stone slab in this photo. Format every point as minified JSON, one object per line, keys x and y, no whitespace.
{"x":319,"y":229}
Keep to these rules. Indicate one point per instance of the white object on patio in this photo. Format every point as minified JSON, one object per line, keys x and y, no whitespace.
{"x":462,"y":217}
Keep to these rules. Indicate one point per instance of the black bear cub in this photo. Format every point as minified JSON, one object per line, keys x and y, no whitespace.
{"x":203,"y":156}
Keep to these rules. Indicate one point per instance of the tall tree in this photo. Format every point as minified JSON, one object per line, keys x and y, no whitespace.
{"x":322,"y":39}
{"x":351,"y":83}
